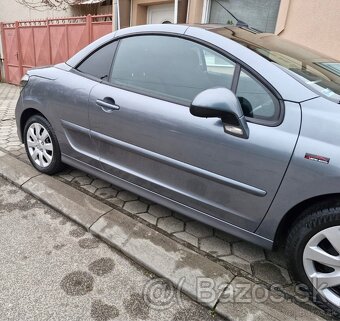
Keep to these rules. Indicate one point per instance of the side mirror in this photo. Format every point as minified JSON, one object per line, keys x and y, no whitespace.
{"x":221,"y":103}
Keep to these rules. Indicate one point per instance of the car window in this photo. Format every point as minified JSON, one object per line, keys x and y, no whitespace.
{"x":256,"y":101}
{"x":99,"y":63}
{"x":169,"y":68}
{"x":218,"y":64}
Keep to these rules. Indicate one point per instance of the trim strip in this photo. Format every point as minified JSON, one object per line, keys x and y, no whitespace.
{"x":173,"y":204}
{"x":180,"y":165}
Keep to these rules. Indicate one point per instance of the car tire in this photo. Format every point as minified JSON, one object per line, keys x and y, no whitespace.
{"x":42,"y":145}
{"x":312,"y":250}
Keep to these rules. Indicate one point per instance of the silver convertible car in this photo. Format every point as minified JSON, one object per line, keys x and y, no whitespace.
{"x":231,"y":127}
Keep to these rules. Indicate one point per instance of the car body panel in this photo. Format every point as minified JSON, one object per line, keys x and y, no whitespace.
{"x":305,"y":178}
{"x":176,"y":206}
{"x":62,"y":113}
{"x":160,"y":146}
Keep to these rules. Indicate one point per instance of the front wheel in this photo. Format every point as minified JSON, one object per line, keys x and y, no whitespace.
{"x":42,"y":146}
{"x":313,"y":252}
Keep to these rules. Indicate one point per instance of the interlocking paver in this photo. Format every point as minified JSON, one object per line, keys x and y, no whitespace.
{"x":135,"y":207}
{"x":215,"y":246}
{"x":193,"y":240}
{"x":237,"y":261}
{"x":248,"y":251}
{"x":66,"y":177}
{"x":106,"y":192}
{"x":182,"y":217}
{"x":82,"y":180}
{"x":198,"y":229}
{"x":170,"y":224}
{"x":116,"y":201}
{"x":271,"y":273}
{"x":89,"y":188}
{"x":159,"y":211}
{"x":148,"y":217}
{"x":127,"y":196}
{"x":77,"y":173}
{"x":227,"y":237}
{"x":146,"y":201}
{"x":99,"y":183}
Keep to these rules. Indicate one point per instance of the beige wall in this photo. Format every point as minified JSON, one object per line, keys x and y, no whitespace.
{"x":312,"y":23}
{"x":139,"y":10}
{"x":195,"y":10}
{"x":125,"y":11}
{"x":11,"y":11}
{"x":136,"y":10}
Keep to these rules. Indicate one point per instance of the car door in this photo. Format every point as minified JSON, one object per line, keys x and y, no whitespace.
{"x":70,"y":97}
{"x":141,"y":123}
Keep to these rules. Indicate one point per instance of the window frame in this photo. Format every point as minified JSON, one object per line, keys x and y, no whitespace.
{"x":277,"y":104}
{"x":239,"y":65}
{"x":89,"y":76}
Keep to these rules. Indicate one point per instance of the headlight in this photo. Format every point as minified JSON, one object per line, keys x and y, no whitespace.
{"x":24,"y":80}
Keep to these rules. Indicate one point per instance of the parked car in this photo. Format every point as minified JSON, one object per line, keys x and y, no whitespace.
{"x":234,"y":128}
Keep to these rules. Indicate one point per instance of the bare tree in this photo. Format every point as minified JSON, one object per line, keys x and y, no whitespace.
{"x":47,"y":4}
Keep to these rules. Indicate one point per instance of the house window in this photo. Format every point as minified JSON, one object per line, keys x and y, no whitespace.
{"x":258,"y":14}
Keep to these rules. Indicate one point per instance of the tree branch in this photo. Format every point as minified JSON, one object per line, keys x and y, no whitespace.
{"x":41,"y":5}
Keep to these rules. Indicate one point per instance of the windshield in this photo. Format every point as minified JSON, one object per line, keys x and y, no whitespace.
{"x":319,"y":73}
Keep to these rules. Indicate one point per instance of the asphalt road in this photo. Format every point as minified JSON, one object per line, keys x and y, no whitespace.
{"x":51,"y":269}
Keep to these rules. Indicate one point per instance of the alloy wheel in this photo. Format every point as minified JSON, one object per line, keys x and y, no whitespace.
{"x":321,"y":260}
{"x":39,"y":144}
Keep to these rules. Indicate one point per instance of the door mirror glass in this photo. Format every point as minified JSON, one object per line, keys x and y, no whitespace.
{"x":221,"y":103}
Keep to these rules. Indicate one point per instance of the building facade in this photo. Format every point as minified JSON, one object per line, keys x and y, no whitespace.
{"x":313,"y":23}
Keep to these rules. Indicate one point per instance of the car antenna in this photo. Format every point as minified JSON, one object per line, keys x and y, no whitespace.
{"x":239,"y":23}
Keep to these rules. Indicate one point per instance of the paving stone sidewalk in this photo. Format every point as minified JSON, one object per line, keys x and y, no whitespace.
{"x":265,"y":266}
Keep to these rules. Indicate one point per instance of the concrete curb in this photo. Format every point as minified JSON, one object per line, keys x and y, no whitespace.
{"x":151,"y":249}
{"x":165,"y":257}
{"x":158,"y":253}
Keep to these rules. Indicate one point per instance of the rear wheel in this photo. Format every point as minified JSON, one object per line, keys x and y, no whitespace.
{"x":313,"y":252}
{"x":42,"y":146}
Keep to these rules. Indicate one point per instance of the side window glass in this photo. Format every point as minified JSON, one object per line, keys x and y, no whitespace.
{"x":99,"y":63}
{"x":169,"y":67}
{"x":219,"y":65}
{"x":256,"y":101}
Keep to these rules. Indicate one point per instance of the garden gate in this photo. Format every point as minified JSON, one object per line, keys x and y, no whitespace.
{"x":28,"y":44}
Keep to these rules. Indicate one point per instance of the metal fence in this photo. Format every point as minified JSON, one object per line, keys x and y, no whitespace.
{"x":28,"y":44}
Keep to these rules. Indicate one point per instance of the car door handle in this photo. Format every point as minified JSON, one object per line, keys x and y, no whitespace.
{"x":107,"y":106}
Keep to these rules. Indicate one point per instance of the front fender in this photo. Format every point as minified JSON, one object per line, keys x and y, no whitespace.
{"x":305,"y":178}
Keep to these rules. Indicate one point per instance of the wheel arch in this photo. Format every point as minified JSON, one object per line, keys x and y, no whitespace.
{"x":300,"y":210}
{"x":26,"y":114}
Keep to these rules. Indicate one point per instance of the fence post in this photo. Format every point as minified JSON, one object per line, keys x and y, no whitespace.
{"x":89,"y":27}
{"x":4,"y":51}
{"x":34,"y":51}
{"x":49,"y":41}
{"x":19,"y":54}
